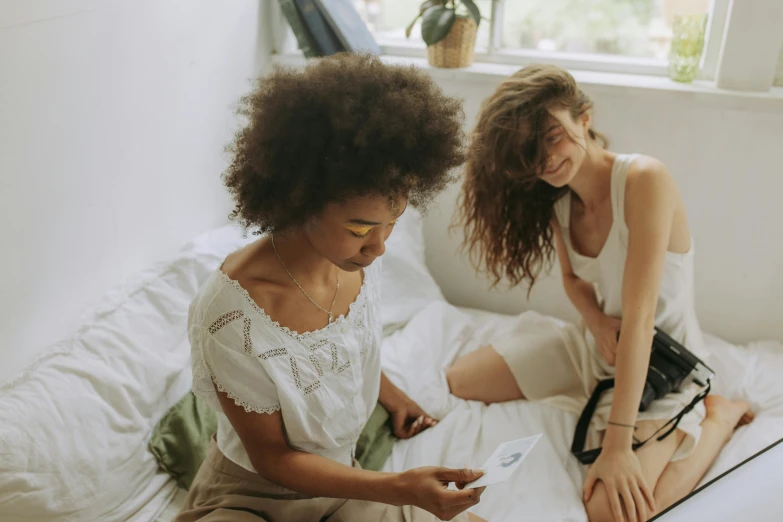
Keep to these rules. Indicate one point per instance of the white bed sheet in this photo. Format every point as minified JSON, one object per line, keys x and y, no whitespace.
{"x":547,"y":486}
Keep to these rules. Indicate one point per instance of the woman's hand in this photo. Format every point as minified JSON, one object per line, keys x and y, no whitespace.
{"x":427,"y":488}
{"x":606,"y":331}
{"x":621,"y":474}
{"x":408,"y":419}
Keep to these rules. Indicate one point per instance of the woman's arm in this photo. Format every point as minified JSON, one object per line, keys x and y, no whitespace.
{"x":605,"y":329}
{"x":264,"y":440}
{"x":651,"y":201}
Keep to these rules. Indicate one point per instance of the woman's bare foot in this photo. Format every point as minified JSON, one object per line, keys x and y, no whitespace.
{"x":729,"y":414}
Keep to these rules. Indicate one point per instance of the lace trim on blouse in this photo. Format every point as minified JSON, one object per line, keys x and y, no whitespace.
{"x":354,"y":309}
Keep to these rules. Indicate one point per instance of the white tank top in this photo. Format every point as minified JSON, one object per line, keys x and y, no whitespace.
{"x":675,"y":313}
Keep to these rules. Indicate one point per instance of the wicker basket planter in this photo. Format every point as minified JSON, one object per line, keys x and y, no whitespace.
{"x":457,"y":48}
{"x":448,"y":27}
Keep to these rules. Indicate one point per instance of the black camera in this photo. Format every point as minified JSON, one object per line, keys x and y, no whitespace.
{"x":672,"y":367}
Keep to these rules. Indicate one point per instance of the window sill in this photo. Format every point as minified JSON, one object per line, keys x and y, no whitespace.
{"x":614,"y":83}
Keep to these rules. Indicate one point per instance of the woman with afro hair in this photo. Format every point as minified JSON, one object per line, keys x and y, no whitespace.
{"x":286,"y":334}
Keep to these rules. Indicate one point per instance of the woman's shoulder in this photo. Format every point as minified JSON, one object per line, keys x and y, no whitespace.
{"x":643,"y":166}
{"x":219,"y":296}
{"x":225,"y":292}
{"x":653,"y":203}
{"x":248,"y":264}
{"x":647,"y":178}
{"x":253,"y":274}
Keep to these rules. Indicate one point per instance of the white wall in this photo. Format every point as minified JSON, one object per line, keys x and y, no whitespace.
{"x":113,"y":119}
{"x":779,"y":70}
{"x":726,"y":160}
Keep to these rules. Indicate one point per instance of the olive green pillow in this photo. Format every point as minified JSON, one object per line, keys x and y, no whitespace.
{"x":376,"y":440}
{"x":181,"y":439}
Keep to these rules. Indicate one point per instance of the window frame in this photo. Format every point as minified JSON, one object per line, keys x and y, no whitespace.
{"x":736,"y":31}
{"x":497,"y":54}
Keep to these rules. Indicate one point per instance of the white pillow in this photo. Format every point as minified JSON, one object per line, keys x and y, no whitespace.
{"x":74,"y":427}
{"x":408,"y":287}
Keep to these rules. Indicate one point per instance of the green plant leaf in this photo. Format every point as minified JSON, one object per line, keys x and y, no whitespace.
{"x":474,"y":10}
{"x":436,"y":24}
{"x":429,"y":3}
{"x":409,"y":29}
{"x":424,"y":6}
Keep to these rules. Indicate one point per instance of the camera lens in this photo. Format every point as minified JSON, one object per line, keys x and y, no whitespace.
{"x":648,"y":395}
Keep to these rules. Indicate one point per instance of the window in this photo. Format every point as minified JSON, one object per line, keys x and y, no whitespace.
{"x":632,"y":28}
{"x":609,"y":35}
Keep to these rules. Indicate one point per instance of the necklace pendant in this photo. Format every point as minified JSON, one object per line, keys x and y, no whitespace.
{"x":331,"y":318}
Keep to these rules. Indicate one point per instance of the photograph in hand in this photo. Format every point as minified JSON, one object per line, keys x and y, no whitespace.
{"x":502,"y":463}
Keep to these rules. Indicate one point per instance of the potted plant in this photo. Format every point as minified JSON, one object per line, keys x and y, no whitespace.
{"x":448,"y":27}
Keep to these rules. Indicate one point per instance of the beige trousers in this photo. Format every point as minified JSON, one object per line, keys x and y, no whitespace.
{"x":223,"y":491}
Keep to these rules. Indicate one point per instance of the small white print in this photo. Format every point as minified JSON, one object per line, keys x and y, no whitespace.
{"x":502,"y":463}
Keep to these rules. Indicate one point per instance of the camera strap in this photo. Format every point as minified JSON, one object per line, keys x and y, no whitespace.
{"x":580,"y":434}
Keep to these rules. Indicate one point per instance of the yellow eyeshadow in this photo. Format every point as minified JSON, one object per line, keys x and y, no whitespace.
{"x":363,"y":230}
{"x":359,"y":230}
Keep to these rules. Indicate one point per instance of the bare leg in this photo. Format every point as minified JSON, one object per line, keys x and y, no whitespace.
{"x":671,"y":481}
{"x":681,"y":477}
{"x":653,"y":458}
{"x":483,"y":375}
{"x":475,"y":518}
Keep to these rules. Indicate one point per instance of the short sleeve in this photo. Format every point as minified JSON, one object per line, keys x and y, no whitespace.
{"x":222,"y":354}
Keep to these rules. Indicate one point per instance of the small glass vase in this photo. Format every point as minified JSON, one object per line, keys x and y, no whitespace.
{"x":687,"y":47}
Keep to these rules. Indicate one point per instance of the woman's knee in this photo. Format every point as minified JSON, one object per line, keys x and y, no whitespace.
{"x":598,"y":507}
{"x":483,"y":375}
{"x":457,"y":380}
{"x":600,"y":510}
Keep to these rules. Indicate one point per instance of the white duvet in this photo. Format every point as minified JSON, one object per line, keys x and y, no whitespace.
{"x":547,"y":485}
{"x":74,"y":426}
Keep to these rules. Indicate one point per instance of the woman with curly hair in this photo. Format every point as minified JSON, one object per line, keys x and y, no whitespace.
{"x":286,"y":334}
{"x":541,"y":181}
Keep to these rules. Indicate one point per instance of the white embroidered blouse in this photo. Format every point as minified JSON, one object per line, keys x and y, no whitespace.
{"x":325,"y":383}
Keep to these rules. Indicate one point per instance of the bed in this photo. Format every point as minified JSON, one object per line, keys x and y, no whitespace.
{"x":74,"y":426}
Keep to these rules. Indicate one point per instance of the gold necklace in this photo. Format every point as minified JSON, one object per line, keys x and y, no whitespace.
{"x":331,"y":317}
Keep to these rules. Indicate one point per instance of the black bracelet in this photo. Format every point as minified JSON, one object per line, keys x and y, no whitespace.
{"x":621,"y":425}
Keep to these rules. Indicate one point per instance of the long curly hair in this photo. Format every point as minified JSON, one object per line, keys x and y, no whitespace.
{"x":346,"y":125}
{"x":504,"y":208}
